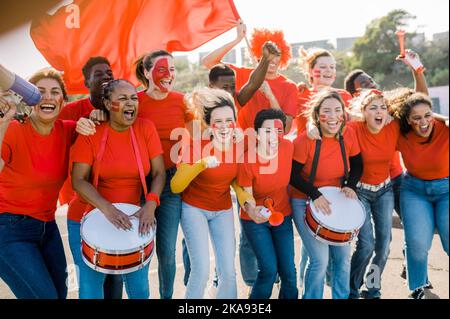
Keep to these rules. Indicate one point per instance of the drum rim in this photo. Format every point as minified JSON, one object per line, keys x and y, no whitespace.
{"x":118,"y":272}
{"x":127,"y":251}
{"x":340,"y":230}
{"x":325,"y":241}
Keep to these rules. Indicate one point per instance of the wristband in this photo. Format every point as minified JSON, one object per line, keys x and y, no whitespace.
{"x":153,"y":197}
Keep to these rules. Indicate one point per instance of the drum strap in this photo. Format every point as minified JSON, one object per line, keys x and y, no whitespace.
{"x":344,"y":158}
{"x":315,"y":162}
{"x":101,"y":152}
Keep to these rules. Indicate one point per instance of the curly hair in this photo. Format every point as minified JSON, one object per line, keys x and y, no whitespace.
{"x":262,"y":35}
{"x":109,"y":89}
{"x":403,"y":110}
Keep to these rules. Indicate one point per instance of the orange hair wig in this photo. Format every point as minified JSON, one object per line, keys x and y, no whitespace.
{"x":261,"y":36}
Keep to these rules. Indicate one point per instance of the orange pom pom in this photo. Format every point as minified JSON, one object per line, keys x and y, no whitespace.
{"x":261,"y":36}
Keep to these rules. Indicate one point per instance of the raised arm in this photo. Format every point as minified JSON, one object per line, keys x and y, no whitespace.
{"x":215,"y":57}
{"x":270,"y":51}
{"x":412,"y":60}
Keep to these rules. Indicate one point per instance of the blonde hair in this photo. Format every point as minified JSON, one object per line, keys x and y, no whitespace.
{"x":202,"y":101}
{"x":308,"y":59}
{"x":359,"y":103}
{"x":49,"y":73}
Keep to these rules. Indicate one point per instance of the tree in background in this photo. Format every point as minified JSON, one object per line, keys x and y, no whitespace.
{"x":376,"y":51}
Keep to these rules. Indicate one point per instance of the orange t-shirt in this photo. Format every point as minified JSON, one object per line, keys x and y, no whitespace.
{"x":35,"y":168}
{"x":273,"y":185}
{"x":210,"y":190}
{"x":167,"y":114}
{"x":284,"y":90}
{"x":73,"y":111}
{"x":377,"y":150}
{"x":396,"y":168}
{"x":119,"y":180}
{"x":330,"y":167}
{"x":426,"y":161}
{"x":304,"y":96}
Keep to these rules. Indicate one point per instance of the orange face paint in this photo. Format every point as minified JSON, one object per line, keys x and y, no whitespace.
{"x":115,"y":106}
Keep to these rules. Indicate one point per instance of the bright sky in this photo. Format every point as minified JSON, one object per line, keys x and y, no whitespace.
{"x":300,"y":20}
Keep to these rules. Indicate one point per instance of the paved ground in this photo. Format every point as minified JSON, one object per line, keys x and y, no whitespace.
{"x":393,"y":286}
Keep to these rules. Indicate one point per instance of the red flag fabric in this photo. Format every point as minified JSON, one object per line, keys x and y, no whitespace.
{"x":123,"y":30}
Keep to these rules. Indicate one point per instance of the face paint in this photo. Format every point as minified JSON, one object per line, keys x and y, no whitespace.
{"x":323,"y":117}
{"x":216,"y":126}
{"x":115,"y":106}
{"x":278,"y":124}
{"x":317,"y":73}
{"x":161,"y":72}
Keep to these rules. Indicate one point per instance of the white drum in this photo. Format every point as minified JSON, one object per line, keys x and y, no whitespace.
{"x":343,"y":225}
{"x":110,"y":250}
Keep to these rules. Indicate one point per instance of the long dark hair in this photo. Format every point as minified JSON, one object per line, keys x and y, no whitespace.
{"x":403,"y":111}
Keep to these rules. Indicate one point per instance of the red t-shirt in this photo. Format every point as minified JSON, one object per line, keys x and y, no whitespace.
{"x":35,"y":168}
{"x":304,"y":96}
{"x":396,"y":168}
{"x":273,"y":185}
{"x":119,"y":180}
{"x":330,"y":167}
{"x":167,"y":114}
{"x":377,"y":150}
{"x":210,"y":190}
{"x":426,"y":161}
{"x":73,"y":111}
{"x":283,"y":89}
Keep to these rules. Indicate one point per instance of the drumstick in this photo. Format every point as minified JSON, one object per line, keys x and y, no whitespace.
{"x":401,"y":40}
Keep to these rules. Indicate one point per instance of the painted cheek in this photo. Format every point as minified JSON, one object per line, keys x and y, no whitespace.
{"x":317,"y":73}
{"x":323,"y":118}
{"x":115,"y":106}
{"x":279,"y":126}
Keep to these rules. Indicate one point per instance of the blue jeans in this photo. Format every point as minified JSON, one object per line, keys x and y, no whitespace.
{"x":247,"y":260}
{"x":91,"y":282}
{"x":274,"y":250}
{"x":396,"y":185}
{"x":374,"y":237}
{"x":424,"y":206}
{"x":32,"y":259}
{"x":113,"y":285}
{"x":168,"y":219}
{"x":197,"y":224}
{"x":319,"y":254}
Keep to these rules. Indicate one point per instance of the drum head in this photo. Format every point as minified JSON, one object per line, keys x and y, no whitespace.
{"x":98,"y":232}
{"x":347,"y":214}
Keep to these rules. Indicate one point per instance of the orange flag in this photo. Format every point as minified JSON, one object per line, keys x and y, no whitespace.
{"x":123,"y":30}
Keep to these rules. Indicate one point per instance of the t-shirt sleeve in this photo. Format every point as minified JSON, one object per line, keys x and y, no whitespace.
{"x":301,"y":149}
{"x":290,"y":104}
{"x":82,"y":151}
{"x":154,"y":146}
{"x":346,"y":97}
{"x":70,"y":129}
{"x":8,"y":144}
{"x":245,"y":176}
{"x":354,"y":147}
